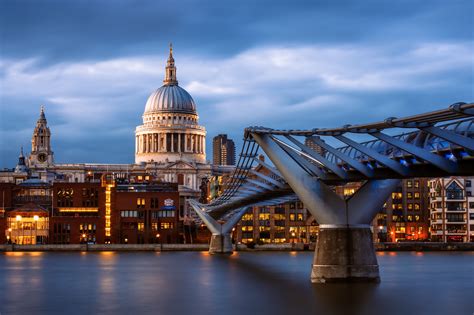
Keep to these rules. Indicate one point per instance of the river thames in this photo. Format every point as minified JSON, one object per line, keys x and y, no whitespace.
{"x":244,"y":283}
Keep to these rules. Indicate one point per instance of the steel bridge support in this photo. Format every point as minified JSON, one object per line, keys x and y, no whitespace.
{"x":344,"y":249}
{"x":221,"y":241}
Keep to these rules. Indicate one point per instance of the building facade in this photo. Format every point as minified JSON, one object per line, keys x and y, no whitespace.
{"x":110,"y":211}
{"x":452,"y":209}
{"x":223,"y":150}
{"x":170,"y":148}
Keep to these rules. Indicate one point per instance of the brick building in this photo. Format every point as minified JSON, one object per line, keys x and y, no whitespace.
{"x":106,"y":211}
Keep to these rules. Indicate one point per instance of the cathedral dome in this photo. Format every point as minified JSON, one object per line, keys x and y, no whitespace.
{"x":170,"y":98}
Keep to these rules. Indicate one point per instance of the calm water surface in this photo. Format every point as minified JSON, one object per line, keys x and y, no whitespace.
{"x":244,"y":283}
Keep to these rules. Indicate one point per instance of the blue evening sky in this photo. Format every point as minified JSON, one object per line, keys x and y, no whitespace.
{"x":281,"y":64}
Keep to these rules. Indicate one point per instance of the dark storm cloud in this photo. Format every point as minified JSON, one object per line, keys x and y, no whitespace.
{"x":277,"y":63}
{"x":61,"y":30}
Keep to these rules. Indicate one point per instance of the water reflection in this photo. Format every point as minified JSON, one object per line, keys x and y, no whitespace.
{"x":251,"y":283}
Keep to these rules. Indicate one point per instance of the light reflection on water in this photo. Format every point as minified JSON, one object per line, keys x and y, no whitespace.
{"x":252,"y":283}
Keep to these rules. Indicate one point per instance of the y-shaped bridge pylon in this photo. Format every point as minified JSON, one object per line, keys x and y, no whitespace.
{"x":345,"y":249}
{"x":221,"y":242}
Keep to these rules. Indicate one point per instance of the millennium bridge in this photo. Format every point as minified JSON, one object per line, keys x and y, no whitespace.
{"x":307,"y":165}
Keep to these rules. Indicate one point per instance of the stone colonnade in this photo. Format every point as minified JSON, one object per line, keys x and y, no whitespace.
{"x":169,"y":142}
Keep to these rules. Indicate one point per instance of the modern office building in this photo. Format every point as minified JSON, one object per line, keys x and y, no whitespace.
{"x":223,"y":150}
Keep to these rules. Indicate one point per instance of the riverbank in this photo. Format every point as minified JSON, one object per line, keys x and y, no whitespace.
{"x":415,"y":246}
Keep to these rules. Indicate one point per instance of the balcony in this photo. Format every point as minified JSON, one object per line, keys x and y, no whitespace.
{"x":456,"y":232}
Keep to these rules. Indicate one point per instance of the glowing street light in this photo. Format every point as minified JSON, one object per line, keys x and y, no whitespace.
{"x":18,"y":217}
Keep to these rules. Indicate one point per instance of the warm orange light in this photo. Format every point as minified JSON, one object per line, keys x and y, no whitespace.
{"x":35,"y":217}
{"x":9,"y":229}
{"x":18,"y":218}
{"x":158,"y":235}
{"x":83,"y":236}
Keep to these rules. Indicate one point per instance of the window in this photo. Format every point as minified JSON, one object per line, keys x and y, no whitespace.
{"x":417,"y":195}
{"x":129,"y":213}
{"x":154,"y":226}
{"x":292,"y":217}
{"x":300,"y":217}
{"x":417,"y":184}
{"x":90,"y":197}
{"x":468,"y":183}
{"x":417,"y":206}
{"x":410,"y":206}
{"x":409,"y":195}
{"x":154,"y":203}
{"x":409,"y":184}
{"x":140,"y":202}
{"x":166,"y":225}
{"x":141,"y":226}
{"x":65,"y":197}
{"x":454,"y":191}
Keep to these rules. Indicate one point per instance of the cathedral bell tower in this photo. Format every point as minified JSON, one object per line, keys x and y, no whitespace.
{"x":41,"y":154}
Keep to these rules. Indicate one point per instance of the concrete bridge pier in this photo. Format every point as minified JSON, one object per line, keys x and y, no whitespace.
{"x":221,"y":241}
{"x":344,"y":254}
{"x":344,"y":249}
{"x":221,"y":244}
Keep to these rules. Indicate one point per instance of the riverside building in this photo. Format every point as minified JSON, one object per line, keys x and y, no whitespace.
{"x":452,"y":209}
{"x":169,"y":149}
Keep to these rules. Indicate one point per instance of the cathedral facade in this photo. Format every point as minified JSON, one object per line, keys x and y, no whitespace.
{"x":170,"y":146}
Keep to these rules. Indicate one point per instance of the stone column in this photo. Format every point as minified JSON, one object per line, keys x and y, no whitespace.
{"x":179,"y":141}
{"x":203,"y":144}
{"x":158,"y":141}
{"x":185,"y":142}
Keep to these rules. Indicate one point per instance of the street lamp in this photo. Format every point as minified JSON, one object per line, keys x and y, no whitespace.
{"x":158,"y":238}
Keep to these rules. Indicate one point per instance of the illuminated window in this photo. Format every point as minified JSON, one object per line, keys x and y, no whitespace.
{"x":154,"y":226}
{"x":141,"y":226}
{"x":166,"y":225}
{"x":348,"y":192}
{"x":417,"y":184}
{"x":410,"y":206}
{"x":409,"y":184}
{"x":409,"y":195}
{"x":417,"y":206}
{"x":417,"y":195}
{"x":140,"y":202}
{"x":292,"y":216}
{"x":300,"y":217}
{"x":247,"y":228}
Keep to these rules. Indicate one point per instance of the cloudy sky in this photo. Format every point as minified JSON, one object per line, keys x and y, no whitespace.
{"x":281,"y":64}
